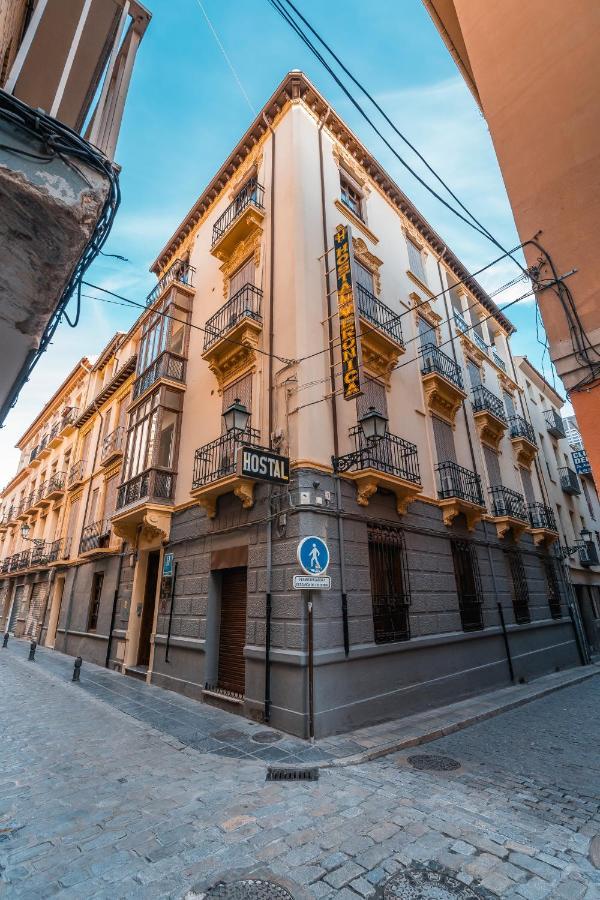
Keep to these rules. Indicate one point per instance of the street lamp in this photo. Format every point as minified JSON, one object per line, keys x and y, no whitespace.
{"x":373,"y":424}
{"x":236,"y":416}
{"x":25,"y":535}
{"x":586,"y":535}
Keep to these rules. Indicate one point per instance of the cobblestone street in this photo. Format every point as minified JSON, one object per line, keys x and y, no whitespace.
{"x":97,"y":802}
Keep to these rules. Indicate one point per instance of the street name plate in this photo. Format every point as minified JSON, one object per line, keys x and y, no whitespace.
{"x":312,"y":582}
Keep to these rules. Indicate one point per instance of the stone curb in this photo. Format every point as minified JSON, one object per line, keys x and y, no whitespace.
{"x":406,"y":743}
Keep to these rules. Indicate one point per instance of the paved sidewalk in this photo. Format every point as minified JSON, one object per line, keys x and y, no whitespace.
{"x":212,"y":730}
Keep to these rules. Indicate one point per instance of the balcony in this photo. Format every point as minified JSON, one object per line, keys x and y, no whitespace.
{"x":55,"y":436}
{"x":178,"y":273}
{"x":543,"y":524}
{"x":569,"y":481}
{"x":498,"y":360}
{"x":167,"y":366}
{"x":522,"y":437}
{"x":581,"y":462}
{"x":231,"y":335}
{"x":588,"y":554}
{"x":381,"y":334}
{"x":43,"y":449}
{"x":489,"y":416}
{"x":40,"y":495}
{"x":76,"y":474}
{"x":34,"y":462}
{"x":460,"y":493}
{"x":389,"y":463}
{"x":96,"y":539}
{"x":460,"y":322}
{"x":241,"y":221}
{"x":22,"y":560}
{"x":22,"y":509}
{"x":479,"y":342}
{"x":143,"y":505}
{"x":56,"y":485}
{"x":508,"y":511}
{"x":113,"y":446}
{"x":442,"y":383}
{"x":215,"y":470}
{"x":554,"y":423}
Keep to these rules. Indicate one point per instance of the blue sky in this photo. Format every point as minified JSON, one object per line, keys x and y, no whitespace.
{"x":185,"y":113}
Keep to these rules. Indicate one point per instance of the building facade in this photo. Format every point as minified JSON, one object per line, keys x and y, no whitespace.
{"x":553,"y":183}
{"x":411,"y":453}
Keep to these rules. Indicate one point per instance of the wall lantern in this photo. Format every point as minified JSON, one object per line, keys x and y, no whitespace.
{"x":373,"y":424}
{"x":236,"y":416}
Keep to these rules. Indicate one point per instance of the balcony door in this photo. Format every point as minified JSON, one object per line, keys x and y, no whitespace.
{"x":232,"y":631}
{"x":244,"y":275}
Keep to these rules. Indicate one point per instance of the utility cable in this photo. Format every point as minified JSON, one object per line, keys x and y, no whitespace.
{"x":226,"y":57}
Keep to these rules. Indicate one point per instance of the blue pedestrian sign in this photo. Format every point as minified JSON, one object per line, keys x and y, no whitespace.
{"x":313,"y":555}
{"x":168,"y":565}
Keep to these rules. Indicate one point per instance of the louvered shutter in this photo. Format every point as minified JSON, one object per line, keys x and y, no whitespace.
{"x":509,"y":404}
{"x":16,"y":611}
{"x":474,"y":373}
{"x":527,"y":485}
{"x":244,"y":275}
{"x":374,"y":394}
{"x":444,"y":440}
{"x":241,"y":390}
{"x":493,"y":466}
{"x":427,"y":333}
{"x":110,"y":496}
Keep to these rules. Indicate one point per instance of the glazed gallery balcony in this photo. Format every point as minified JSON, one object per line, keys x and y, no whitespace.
{"x":509,"y":511}
{"x":489,"y":416}
{"x":151,"y":485}
{"x":522,"y":437}
{"x":387,"y":462}
{"x":543,"y":524}
{"x":178,"y":273}
{"x":231,"y":335}
{"x":460,"y":493}
{"x":381,"y":333}
{"x":241,"y":220}
{"x":442,"y":383}
{"x":169,"y":367}
{"x":215,"y":470}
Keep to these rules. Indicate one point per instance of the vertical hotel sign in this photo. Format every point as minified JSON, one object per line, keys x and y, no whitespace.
{"x":349,"y":338}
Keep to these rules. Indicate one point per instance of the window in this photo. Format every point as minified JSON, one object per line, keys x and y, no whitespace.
{"x":415,"y":260}
{"x":141,"y":437}
{"x":243,"y":276}
{"x":492,"y":464}
{"x":390,"y":588}
{"x":240,"y":390}
{"x":166,"y":440}
{"x":509,"y":404}
{"x":520,"y":591}
{"x":527,"y":482}
{"x":351,"y":196}
{"x":468,"y":584}
{"x":364,"y":276}
{"x":588,"y":499}
{"x":427,"y":333}
{"x":443,"y":435}
{"x":474,"y":373}
{"x":553,"y":588}
{"x":97,"y":581}
{"x":374,"y":395}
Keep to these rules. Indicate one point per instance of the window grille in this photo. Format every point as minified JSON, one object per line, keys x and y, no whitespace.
{"x":553,"y":586}
{"x":96,"y":595}
{"x":351,"y":197}
{"x":390,"y":585}
{"x":468,"y":584}
{"x":520,"y":591}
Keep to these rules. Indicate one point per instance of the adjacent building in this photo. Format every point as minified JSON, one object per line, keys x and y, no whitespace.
{"x":65,"y":68}
{"x":539,"y":100}
{"x":305,"y":309}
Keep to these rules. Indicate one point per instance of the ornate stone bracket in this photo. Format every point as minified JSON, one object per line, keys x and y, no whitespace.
{"x":234,"y":353}
{"x":454,"y":507}
{"x":525,"y":451}
{"x":380,"y":353}
{"x":505,"y":524}
{"x":491,"y":429}
{"x":543,"y":537}
{"x":443,"y":398}
{"x":368,"y":481}
{"x":208,"y":495}
{"x":155,"y":522}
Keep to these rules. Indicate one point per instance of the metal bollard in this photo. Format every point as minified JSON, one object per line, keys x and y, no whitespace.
{"x":77,"y":668}
{"x":5,"y":639}
{"x":32,"y":647}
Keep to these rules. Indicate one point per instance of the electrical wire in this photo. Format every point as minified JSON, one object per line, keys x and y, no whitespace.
{"x":226,"y":57}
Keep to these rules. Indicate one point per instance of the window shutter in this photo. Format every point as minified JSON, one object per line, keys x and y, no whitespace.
{"x":242,"y":390}
{"x":509,"y":404}
{"x":474,"y":373}
{"x":110,"y":496}
{"x":374,"y":394}
{"x":427,"y":333}
{"x":363,"y":276}
{"x":444,"y":440}
{"x":493,"y":466}
{"x":527,"y":485}
{"x":244,"y":275}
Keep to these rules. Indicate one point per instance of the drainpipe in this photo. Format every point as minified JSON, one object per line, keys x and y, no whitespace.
{"x":334,"y":417}
{"x":474,"y":464}
{"x":269,"y":523}
{"x":83,"y":521}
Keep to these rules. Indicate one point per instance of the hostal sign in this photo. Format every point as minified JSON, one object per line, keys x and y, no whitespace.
{"x":262,"y":465}
{"x":349,"y":338}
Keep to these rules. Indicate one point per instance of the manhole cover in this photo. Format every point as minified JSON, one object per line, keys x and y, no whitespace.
{"x":266,"y":737}
{"x":249,"y":889}
{"x":228,"y":734}
{"x":430,"y":763}
{"x":421,"y":883}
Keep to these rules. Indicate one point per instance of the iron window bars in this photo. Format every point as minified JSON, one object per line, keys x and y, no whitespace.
{"x":552,"y":582}
{"x":390,"y":584}
{"x":520,"y":591}
{"x":468,"y":584}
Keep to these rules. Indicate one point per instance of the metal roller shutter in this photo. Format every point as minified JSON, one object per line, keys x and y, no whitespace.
{"x":14,"y":613}
{"x":36,"y":608}
{"x":444,"y":440}
{"x":527,"y":485}
{"x":232,"y":635}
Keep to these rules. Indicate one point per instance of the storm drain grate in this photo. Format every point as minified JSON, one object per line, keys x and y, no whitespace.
{"x":422,"y":883}
{"x":248,"y":889}
{"x":277,"y":773}
{"x":431,"y":763}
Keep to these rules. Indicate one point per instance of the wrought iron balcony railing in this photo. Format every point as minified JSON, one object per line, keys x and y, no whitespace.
{"x":541,"y":516}
{"x":554,"y":423}
{"x":245,"y":304}
{"x":33,"y":454}
{"x":76,"y":473}
{"x":252,"y":194}
{"x":498,"y":360}
{"x":461,"y":322}
{"x":588,"y":553}
{"x":390,"y":454}
{"x":218,"y":459}
{"x":23,"y":560}
{"x":179,"y":271}
{"x":435,"y":360}
{"x":167,"y":365}
{"x":484,"y":401}
{"x":378,"y":314}
{"x":569,"y":481}
{"x":58,"y":549}
{"x":456,"y":481}
{"x":506,"y":502}
{"x":479,"y":341}
{"x":520,"y":428}
{"x":95,"y":536}
{"x":113,"y":443}
{"x":56,"y":483}
{"x":151,"y":484}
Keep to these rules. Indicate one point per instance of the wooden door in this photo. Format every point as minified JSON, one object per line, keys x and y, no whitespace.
{"x":143,"y":658}
{"x":232,"y":634}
